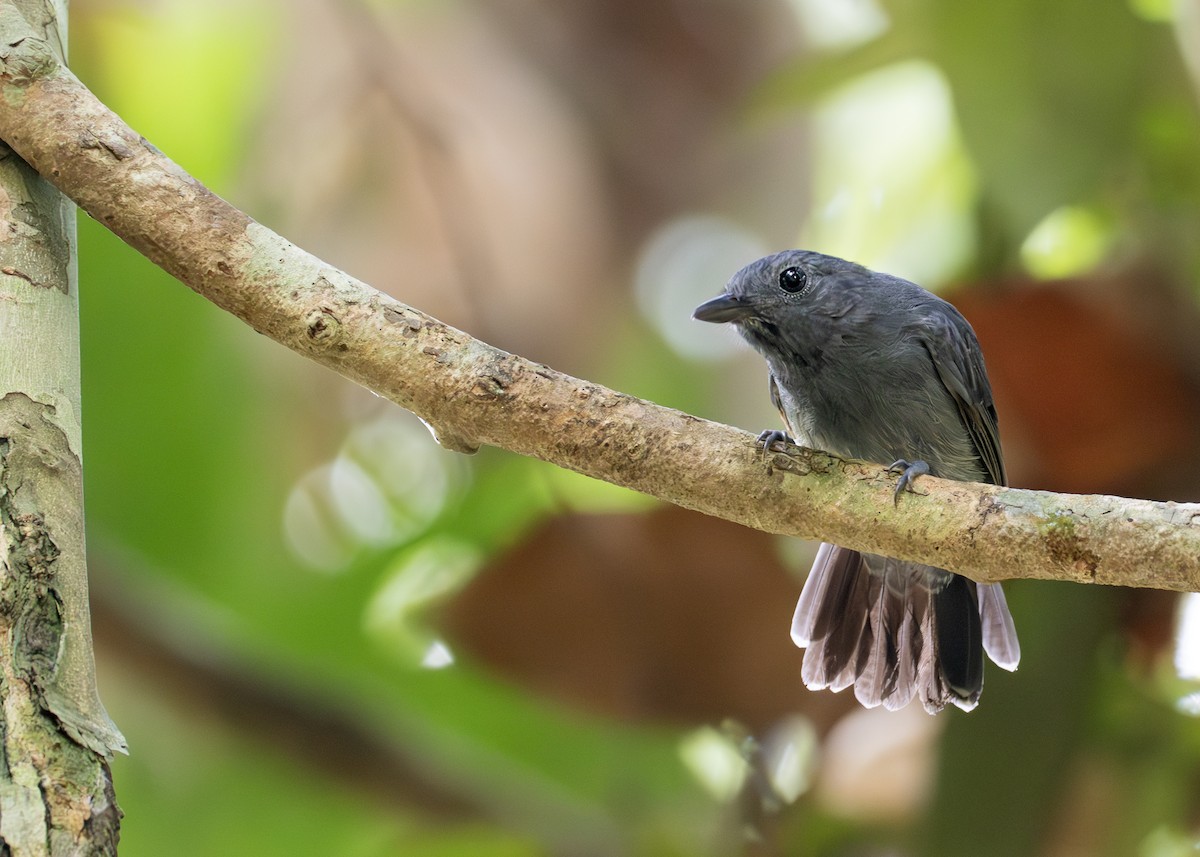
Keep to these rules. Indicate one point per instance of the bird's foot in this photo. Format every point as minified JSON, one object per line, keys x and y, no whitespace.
{"x":774,"y":440}
{"x":909,"y":471}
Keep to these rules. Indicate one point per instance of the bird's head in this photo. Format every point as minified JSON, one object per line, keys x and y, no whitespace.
{"x":782,"y":302}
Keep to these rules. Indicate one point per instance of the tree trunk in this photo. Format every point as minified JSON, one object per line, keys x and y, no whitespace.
{"x":56,"y":793}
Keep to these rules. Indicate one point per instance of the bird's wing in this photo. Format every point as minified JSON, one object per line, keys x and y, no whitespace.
{"x":959,"y":363}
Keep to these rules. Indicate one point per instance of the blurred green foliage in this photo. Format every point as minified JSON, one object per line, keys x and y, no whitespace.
{"x":193,"y":450}
{"x":188,"y":471}
{"x":1074,"y":103}
{"x":184,"y":502}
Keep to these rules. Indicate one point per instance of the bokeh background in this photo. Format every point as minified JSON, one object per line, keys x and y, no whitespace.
{"x":322,"y":634}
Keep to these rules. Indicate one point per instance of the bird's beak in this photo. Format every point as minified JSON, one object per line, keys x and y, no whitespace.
{"x":724,"y":308}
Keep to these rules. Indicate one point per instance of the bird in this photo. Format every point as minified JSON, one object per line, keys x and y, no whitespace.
{"x":870,"y":366}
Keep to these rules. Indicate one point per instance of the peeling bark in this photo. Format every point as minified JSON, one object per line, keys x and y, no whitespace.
{"x":56,"y":795}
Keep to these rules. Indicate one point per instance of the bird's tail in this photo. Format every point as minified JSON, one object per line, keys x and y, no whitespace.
{"x":894,"y":630}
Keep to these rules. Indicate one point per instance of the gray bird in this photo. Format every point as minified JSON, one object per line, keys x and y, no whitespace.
{"x":870,"y":366}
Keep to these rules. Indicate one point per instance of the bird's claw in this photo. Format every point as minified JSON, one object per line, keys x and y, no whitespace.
{"x":909,"y":471}
{"x":774,"y":440}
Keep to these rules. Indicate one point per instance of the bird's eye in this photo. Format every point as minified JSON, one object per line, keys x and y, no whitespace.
{"x":792,"y":280}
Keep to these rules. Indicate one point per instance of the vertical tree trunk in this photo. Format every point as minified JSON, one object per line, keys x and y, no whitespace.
{"x":56,"y":792}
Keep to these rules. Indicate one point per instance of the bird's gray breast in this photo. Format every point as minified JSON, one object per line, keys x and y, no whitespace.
{"x":876,"y":399}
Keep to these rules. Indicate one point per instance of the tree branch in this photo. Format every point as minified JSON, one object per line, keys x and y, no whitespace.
{"x":474,"y":394}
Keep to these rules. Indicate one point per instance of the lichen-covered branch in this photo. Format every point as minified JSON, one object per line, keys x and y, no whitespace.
{"x":473,"y":394}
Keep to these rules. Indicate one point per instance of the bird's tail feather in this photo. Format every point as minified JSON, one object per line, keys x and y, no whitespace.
{"x":999,"y":633}
{"x":959,"y":653}
{"x":895,"y":630}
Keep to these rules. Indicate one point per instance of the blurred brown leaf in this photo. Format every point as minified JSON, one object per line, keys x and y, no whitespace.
{"x":669,"y":615}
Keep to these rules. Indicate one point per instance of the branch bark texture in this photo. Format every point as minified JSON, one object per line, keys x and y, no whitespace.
{"x":472,"y":394}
